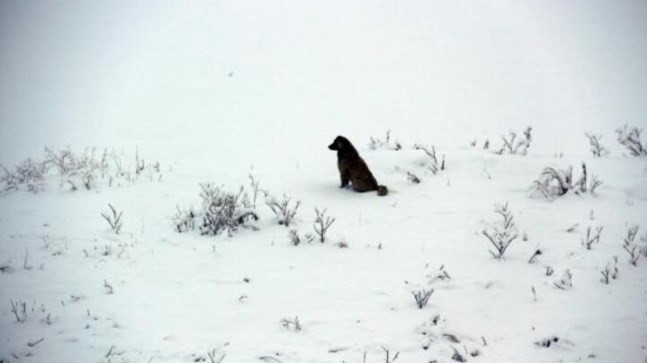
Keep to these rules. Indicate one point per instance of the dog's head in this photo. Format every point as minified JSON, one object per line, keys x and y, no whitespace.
{"x":340,"y":144}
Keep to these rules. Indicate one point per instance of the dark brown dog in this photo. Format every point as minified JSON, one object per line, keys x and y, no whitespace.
{"x":353,"y":169}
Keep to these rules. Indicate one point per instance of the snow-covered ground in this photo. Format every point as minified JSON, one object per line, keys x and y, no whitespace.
{"x":220,"y":90}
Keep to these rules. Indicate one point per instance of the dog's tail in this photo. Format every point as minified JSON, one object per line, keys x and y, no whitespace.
{"x":382,"y":191}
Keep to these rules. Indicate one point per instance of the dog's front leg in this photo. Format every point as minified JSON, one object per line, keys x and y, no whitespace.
{"x":345,"y":179}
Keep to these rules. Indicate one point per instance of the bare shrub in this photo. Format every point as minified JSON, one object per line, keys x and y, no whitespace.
{"x":184,"y":220}
{"x":28,"y":174}
{"x":388,"y":357}
{"x":643,"y":249}
{"x":503,"y":234}
{"x":516,"y":146}
{"x":293,"y":324}
{"x":457,"y":356}
{"x":215,"y":356}
{"x":534,"y":256}
{"x":282,"y":209}
{"x":322,"y":223}
{"x":441,"y":275}
{"x":86,"y":168}
{"x":387,"y":143}
{"x":294,"y":237}
{"x":595,"y":183}
{"x":254,"y":186}
{"x":610,"y":272}
{"x":553,"y":183}
{"x":78,"y":170}
{"x":413,"y":178}
{"x":630,"y":246}
{"x":591,"y":237}
{"x":547,"y":342}
{"x":431,"y":162}
{"x":630,"y":139}
{"x":113,"y":352}
{"x":566,"y":282}
{"x":108,"y":288}
{"x":224,"y":211}
{"x":422,"y":297}
{"x":596,"y":148}
{"x":113,"y":218}
{"x":19,"y":310}
{"x":632,"y":232}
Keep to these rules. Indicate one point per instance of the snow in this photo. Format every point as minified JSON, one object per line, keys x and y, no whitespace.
{"x":215,"y":91}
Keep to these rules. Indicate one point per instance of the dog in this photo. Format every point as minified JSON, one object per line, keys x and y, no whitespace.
{"x":353,"y":169}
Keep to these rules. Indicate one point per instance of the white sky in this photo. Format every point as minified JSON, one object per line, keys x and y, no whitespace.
{"x":106,"y":72}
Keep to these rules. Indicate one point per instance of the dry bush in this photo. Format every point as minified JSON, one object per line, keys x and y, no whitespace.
{"x":516,"y":146}
{"x":596,"y":148}
{"x":553,"y":183}
{"x":629,"y":137}
{"x":224,"y":211}
{"x":387,"y":143}
{"x":501,"y":235}
{"x":284,"y":212}
{"x":78,"y":170}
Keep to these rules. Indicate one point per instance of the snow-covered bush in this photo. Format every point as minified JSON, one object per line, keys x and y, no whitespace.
{"x":630,"y":139}
{"x":184,"y":220}
{"x":591,"y":237}
{"x":282,"y":209}
{"x":413,"y":178}
{"x":216,"y":356}
{"x":387,"y":143}
{"x":553,"y":183}
{"x":422,"y":297}
{"x":388,"y":357}
{"x":534,"y":256}
{"x":441,"y":275}
{"x":28,"y":174}
{"x":293,"y":324}
{"x":296,"y":239}
{"x":431,"y":161}
{"x":113,"y":218}
{"x":322,"y":223}
{"x":630,"y":246}
{"x":19,"y":310}
{"x":610,"y":272}
{"x":566,"y":282}
{"x":596,"y":148}
{"x":547,"y":342}
{"x":501,"y":235}
{"x":516,"y":146}
{"x":224,"y":211}
{"x":254,"y":186}
{"x":78,"y":170}
{"x":108,"y":288}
